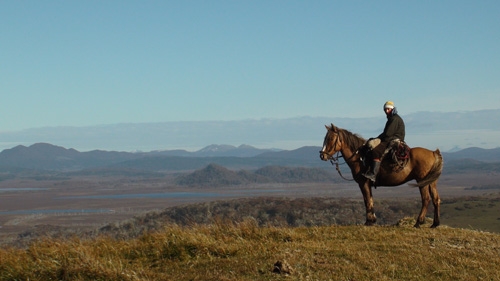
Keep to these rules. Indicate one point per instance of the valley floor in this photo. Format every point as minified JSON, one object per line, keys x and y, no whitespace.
{"x":86,"y":203}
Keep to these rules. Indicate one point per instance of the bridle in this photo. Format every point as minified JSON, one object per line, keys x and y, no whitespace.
{"x":334,"y":158}
{"x":330,"y":156}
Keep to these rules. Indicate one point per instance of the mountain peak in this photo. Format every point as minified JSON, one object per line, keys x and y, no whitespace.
{"x":50,"y":148}
{"x":225,"y":150}
{"x":217,"y":148}
{"x":41,"y":148}
{"x":246,"y":146}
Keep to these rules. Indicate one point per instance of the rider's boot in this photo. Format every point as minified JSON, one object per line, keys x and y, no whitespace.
{"x":372,"y":173}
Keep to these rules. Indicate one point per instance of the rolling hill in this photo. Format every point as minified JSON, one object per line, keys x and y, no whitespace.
{"x":214,"y":175}
{"x":47,"y":157}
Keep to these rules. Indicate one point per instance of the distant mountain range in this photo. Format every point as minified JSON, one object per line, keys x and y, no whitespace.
{"x":48,"y":157}
{"x":449,"y":131}
{"x":216,"y":150}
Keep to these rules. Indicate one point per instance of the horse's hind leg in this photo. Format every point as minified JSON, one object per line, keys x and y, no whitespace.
{"x":436,"y":201}
{"x":425,"y":195}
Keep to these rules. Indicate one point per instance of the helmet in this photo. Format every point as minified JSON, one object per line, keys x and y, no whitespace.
{"x":388,"y":104}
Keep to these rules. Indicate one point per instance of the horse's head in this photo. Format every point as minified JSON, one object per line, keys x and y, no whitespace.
{"x":331,"y":143}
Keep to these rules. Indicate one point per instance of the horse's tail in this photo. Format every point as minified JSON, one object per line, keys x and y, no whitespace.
{"x":435,"y":171}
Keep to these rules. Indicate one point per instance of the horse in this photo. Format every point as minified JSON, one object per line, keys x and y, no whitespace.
{"x":424,"y":166}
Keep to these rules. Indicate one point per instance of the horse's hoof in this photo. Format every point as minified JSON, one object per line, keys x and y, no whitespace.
{"x":369,"y":223}
{"x":434,"y":225}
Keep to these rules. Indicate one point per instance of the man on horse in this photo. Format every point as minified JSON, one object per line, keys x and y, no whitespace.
{"x":394,"y":129}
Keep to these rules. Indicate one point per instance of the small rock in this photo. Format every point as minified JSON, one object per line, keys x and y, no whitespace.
{"x":282,"y":267}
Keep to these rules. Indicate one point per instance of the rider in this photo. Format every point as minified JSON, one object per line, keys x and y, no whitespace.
{"x":394,"y":129}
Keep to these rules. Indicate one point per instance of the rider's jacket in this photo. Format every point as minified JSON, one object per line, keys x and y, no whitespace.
{"x":394,"y":129}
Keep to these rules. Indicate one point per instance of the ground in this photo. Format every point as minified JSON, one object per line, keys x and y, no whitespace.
{"x":89,"y":202}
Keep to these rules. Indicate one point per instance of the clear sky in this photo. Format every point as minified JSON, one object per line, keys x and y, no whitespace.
{"x":85,"y":63}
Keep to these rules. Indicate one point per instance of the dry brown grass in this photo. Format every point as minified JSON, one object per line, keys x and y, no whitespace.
{"x":245,"y":251}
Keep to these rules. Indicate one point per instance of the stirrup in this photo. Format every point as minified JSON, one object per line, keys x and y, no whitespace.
{"x":371,"y":176}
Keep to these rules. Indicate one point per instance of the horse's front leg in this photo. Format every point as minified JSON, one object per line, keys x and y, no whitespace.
{"x":366,"y":189}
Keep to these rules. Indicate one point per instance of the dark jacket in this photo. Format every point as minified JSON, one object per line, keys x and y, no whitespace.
{"x":394,"y":128}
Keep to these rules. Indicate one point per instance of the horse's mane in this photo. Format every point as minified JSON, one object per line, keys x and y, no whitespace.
{"x":354,"y":141}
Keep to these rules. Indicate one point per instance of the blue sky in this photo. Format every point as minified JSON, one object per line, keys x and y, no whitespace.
{"x":86,"y":63}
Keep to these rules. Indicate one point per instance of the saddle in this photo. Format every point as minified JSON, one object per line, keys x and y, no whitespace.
{"x":400,"y":154}
{"x":398,"y":151}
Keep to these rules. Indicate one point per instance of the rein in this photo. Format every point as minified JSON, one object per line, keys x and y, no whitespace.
{"x":335,"y":162}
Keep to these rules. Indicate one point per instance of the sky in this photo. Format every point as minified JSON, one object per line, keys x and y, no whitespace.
{"x":87,"y":63}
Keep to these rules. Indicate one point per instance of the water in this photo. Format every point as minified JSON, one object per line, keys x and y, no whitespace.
{"x":175,"y":195}
{"x":148,"y":195}
{"x":21,"y":189}
{"x":171,"y":195}
{"x":61,"y":211}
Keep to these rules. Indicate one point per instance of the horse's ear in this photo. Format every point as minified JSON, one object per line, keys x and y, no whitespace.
{"x":327,"y":128}
{"x":333,"y":128}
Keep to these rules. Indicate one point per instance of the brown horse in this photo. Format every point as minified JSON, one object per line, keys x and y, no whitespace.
{"x":424,"y":166}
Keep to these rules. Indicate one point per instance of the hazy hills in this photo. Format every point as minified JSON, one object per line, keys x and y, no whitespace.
{"x":43,"y":156}
{"x":444,"y":130}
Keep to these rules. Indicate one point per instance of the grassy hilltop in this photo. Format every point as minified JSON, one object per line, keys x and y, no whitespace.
{"x":247,"y":251}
